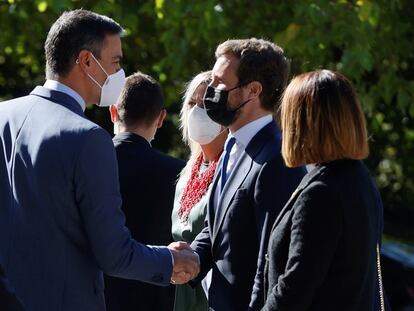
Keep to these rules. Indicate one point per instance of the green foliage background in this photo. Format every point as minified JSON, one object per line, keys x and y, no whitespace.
{"x":370,"y":41}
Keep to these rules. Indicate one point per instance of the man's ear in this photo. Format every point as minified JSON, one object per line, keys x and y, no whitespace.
{"x":161,"y":118}
{"x":84,"y":60}
{"x":114,"y":113}
{"x":255,"y":89}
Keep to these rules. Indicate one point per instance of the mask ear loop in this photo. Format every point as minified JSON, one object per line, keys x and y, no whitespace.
{"x":224,"y":129}
{"x":99,"y":65}
{"x":93,"y":79}
{"x":244,"y":103}
{"x":96,"y":82}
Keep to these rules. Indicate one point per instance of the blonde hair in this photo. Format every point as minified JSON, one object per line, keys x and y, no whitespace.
{"x":322,"y":120}
{"x":191,"y":87}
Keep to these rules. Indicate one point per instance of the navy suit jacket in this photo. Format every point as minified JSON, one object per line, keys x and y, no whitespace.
{"x":61,"y":223}
{"x":235,"y":238}
{"x":147,"y":178}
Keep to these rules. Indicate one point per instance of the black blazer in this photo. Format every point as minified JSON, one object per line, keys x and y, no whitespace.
{"x":322,"y":249}
{"x":8,"y":299}
{"x":147,"y":179}
{"x":235,"y":238}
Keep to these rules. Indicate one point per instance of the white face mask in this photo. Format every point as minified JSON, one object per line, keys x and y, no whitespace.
{"x":201,"y":128}
{"x":112,"y":87}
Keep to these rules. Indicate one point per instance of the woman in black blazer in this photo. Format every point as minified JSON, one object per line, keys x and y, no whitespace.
{"x":322,"y":249}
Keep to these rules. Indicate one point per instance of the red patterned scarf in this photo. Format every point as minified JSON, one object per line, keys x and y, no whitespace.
{"x":196,"y":186}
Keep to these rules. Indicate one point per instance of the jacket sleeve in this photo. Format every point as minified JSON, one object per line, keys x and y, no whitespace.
{"x":315,"y":231}
{"x":274,"y":185}
{"x":98,"y":197}
{"x":202,"y":246}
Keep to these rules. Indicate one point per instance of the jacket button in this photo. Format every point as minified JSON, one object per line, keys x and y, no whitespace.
{"x":267,"y":257}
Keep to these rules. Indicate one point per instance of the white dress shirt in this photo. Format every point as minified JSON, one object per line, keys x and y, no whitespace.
{"x":243,"y":137}
{"x":60,"y":87}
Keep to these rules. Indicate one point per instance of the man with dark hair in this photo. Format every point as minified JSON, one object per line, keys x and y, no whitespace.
{"x":252,"y":184}
{"x":147,"y":178}
{"x":140,"y":105}
{"x":61,"y":223}
{"x":261,"y":61}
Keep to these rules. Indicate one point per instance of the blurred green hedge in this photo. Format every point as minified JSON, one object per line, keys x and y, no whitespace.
{"x":371,"y":42}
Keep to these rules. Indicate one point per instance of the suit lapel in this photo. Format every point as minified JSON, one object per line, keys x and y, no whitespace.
{"x":211,"y":208}
{"x":237,"y":177}
{"x":311,"y":176}
{"x":239,"y":174}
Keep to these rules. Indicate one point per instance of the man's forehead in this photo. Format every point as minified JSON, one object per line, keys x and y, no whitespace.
{"x":225,"y":64}
{"x":222,"y":63}
{"x":112,"y":46}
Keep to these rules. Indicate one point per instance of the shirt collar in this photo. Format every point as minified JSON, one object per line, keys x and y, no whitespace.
{"x":245,"y":134}
{"x":60,"y":87}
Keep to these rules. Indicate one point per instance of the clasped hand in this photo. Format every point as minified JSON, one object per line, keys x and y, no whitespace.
{"x":186,"y":263}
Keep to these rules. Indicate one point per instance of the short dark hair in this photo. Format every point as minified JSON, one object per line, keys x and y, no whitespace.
{"x":322,"y":120}
{"x":261,"y":61}
{"x":73,"y":32}
{"x":141,"y":100}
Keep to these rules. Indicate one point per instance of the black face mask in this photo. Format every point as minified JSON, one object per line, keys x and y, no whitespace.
{"x":215,"y":102}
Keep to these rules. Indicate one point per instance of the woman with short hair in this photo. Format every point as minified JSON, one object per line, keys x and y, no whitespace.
{"x":322,"y":248}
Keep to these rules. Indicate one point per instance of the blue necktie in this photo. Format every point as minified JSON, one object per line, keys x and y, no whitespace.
{"x":229,"y":145}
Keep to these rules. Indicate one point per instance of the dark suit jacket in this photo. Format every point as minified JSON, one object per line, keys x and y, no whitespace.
{"x":322,"y":249}
{"x":8,"y":299}
{"x":234,"y":241}
{"x":147,"y":178}
{"x":61,"y":222}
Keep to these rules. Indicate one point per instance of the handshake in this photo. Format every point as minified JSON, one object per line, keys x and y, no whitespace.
{"x":186,"y":263}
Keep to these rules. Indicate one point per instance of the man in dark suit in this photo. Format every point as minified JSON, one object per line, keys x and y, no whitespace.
{"x":61,"y":223}
{"x":252,"y":183}
{"x":147,"y":178}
